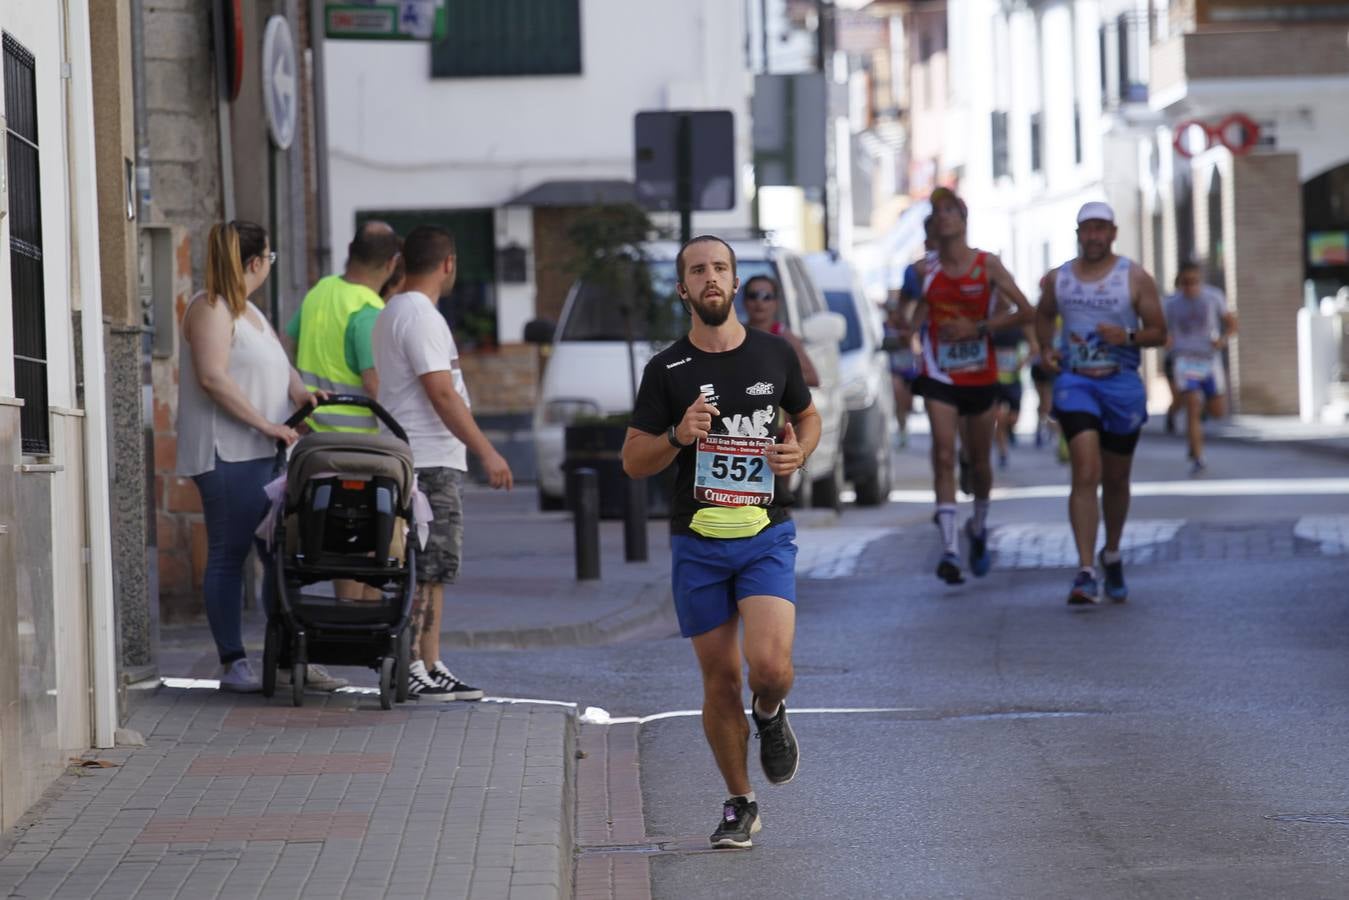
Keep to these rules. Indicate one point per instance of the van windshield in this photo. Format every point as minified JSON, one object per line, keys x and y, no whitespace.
{"x":597,"y":311}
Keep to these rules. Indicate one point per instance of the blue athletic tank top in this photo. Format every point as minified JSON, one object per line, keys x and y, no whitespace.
{"x":1086,"y":304}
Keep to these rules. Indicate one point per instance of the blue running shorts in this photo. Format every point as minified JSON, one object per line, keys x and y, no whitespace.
{"x":711,"y":575}
{"x":1119,"y":401}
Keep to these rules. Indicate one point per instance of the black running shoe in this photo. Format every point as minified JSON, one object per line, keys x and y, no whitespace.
{"x":739,"y":820}
{"x":1115,"y":588}
{"x":948,"y":570}
{"x":778,"y":752}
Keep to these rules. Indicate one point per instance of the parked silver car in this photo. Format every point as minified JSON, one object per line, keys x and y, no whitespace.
{"x":865,"y":376}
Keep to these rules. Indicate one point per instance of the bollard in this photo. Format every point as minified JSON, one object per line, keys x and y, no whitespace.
{"x":585,"y":494}
{"x":634,"y":520}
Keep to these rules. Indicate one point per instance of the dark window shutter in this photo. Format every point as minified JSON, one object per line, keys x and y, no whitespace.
{"x":1001,"y":165}
{"x":493,"y":38}
{"x":25,"y":246}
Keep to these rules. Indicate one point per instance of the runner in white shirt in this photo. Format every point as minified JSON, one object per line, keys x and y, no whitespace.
{"x":1199,"y":324}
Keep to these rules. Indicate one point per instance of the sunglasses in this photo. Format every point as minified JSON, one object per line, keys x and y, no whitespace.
{"x":761,"y":295}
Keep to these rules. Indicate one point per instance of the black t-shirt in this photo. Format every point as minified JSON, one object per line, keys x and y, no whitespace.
{"x":747,"y":385}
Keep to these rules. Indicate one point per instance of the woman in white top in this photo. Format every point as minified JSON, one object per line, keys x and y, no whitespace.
{"x":236,"y":389}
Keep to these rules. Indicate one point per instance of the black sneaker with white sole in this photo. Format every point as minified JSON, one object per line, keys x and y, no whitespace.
{"x":421,"y":686}
{"x":779,"y":753}
{"x":739,"y":821}
{"x":441,"y":675}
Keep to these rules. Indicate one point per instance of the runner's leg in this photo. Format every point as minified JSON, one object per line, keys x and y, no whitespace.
{"x":1083,"y":510}
{"x":978,"y":431}
{"x":1115,"y":496}
{"x":724,"y":721}
{"x":1194,"y":422}
{"x":770,"y":628}
{"x":942,"y":418}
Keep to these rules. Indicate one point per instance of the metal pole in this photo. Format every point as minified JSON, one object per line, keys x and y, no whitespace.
{"x":824,"y":57}
{"x":634,"y":520}
{"x":323,"y":199}
{"x":684,"y":177}
{"x":585,"y":494}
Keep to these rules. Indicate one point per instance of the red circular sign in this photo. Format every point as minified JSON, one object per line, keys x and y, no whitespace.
{"x":1237,"y":132}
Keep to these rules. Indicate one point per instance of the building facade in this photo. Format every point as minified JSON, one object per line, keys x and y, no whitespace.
{"x":58,"y":642}
{"x":505,"y":130}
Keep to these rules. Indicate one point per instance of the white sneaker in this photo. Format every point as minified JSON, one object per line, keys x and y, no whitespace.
{"x":421,"y":686}
{"x":240,"y":678}
{"x":316,"y":678}
{"x":441,"y":675}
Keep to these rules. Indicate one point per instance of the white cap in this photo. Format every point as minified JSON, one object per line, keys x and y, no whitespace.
{"x":1096,"y":210}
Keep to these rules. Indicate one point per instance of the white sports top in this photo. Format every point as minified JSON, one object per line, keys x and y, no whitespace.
{"x":258,"y":365}
{"x":1086,"y":304}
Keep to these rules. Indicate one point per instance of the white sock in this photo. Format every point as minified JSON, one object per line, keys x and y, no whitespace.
{"x":1111,"y":556}
{"x":946,"y":521}
{"x":1090,"y":570}
{"x":749,"y":798}
{"x":980,"y":515}
{"x":759,"y":710}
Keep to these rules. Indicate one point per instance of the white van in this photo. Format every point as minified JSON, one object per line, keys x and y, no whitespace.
{"x":593,"y":373}
{"x":865,"y":373}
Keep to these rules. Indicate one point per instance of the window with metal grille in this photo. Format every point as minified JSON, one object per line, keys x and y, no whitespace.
{"x":490,"y":38}
{"x":1001,"y":159}
{"x":25,"y":246}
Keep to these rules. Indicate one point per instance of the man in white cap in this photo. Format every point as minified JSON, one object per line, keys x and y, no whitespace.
{"x":1109,"y":308}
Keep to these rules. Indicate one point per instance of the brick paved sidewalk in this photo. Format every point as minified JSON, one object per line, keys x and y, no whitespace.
{"x":237,"y":797}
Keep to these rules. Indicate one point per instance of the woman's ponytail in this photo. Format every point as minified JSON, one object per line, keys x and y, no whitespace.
{"x":225,"y":269}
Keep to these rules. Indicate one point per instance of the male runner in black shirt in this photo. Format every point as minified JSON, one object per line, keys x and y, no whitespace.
{"x":710,"y":403}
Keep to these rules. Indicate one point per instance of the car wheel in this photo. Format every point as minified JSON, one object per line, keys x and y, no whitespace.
{"x":873,"y":488}
{"x":827,"y":492}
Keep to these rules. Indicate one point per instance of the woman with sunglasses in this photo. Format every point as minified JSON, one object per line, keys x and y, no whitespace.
{"x":236,"y":389}
{"x":761,"y":310}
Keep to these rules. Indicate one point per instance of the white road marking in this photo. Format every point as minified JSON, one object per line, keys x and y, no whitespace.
{"x":594,"y":715}
{"x":1229,"y":487}
{"x":833,"y":552}
{"x":1331,"y":532}
{"x":1041,"y":546}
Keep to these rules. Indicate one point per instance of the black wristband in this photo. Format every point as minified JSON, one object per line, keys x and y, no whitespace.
{"x":673,"y":438}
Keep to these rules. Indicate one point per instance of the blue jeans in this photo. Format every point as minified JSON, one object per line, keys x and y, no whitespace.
{"x":234,"y":502}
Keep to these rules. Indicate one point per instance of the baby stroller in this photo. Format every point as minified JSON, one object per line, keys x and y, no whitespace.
{"x":347,"y":514}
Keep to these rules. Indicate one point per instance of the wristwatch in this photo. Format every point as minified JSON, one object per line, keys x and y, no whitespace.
{"x":673,"y":438}
{"x":1132,"y":337}
{"x":981,"y":329}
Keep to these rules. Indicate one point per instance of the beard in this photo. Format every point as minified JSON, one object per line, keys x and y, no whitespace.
{"x":1094,"y":251}
{"x":711,"y":315}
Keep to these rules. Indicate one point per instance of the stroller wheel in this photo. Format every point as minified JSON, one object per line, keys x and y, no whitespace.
{"x":387,"y":666}
{"x":271,"y":653}
{"x":297,"y":676}
{"x":400,"y":671}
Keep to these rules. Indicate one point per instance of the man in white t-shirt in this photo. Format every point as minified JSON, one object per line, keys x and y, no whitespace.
{"x":1199,"y":324}
{"x":422,"y":387}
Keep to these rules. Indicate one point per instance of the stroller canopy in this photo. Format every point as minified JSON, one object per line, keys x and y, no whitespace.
{"x":346,"y":453}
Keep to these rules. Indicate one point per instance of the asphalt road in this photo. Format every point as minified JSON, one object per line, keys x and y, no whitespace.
{"x":1187,"y":744}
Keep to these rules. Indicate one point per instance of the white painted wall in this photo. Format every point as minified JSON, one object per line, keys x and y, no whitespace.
{"x":400,"y":139}
{"x":1041,"y":58}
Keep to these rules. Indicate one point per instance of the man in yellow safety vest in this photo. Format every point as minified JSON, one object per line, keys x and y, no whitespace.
{"x":331,"y":331}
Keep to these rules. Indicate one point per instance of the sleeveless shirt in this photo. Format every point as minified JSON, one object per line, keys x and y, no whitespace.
{"x":968,"y":363}
{"x":258,"y":365}
{"x":1085,"y":304}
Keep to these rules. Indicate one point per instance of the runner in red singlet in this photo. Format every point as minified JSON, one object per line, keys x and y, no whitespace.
{"x":961,"y":307}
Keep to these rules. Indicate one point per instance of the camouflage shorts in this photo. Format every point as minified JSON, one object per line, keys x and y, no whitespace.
{"x":438,"y":561}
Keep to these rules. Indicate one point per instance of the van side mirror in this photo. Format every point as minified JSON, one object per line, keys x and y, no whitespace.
{"x":540,"y":331}
{"x":824,"y":328}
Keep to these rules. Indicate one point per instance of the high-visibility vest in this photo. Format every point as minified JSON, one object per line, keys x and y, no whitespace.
{"x":321,"y":355}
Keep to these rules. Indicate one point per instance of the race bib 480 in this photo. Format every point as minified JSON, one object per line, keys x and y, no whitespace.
{"x":963,"y":356}
{"x":733,"y":471}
